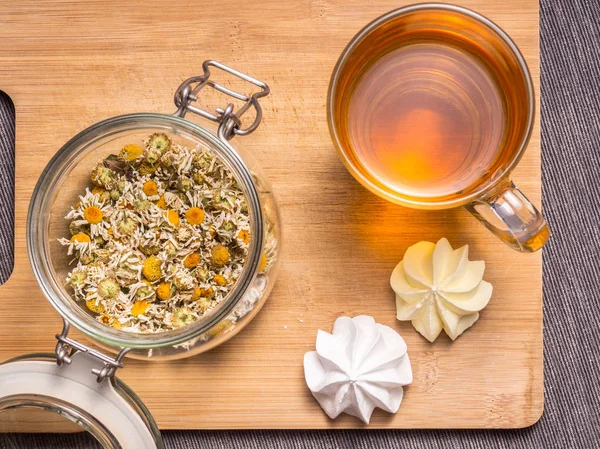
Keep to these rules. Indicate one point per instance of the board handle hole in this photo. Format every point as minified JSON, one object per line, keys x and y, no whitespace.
{"x":7,"y":187}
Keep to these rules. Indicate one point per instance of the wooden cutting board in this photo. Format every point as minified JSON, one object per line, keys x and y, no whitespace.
{"x":70,"y":64}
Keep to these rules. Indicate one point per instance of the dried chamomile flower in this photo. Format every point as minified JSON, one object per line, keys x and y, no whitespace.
{"x":130,"y":153}
{"x":81,"y":238}
{"x":182,"y":318}
{"x":152,"y":269}
{"x":220,"y":202}
{"x":126,"y":226}
{"x":220,"y":280}
{"x":219,"y":255}
{"x":150,"y":188}
{"x":152,"y":157}
{"x":108,"y":288}
{"x":142,"y":205}
{"x":86,"y":258}
{"x":199,"y":177}
{"x":194,"y":216}
{"x":160,"y":142}
{"x":77,"y":279}
{"x":140,"y":307}
{"x":92,"y":214}
{"x":172,"y":217}
{"x":150,"y":249}
{"x":147,"y":168}
{"x":167,"y":160}
{"x":164,"y":291}
{"x":184,"y":184}
{"x":95,"y":306}
{"x":244,"y":236}
{"x":103,"y":194}
{"x":192,"y":260}
{"x":146,"y":291}
{"x":161,"y":203}
{"x":183,"y":233}
{"x":104,"y":177}
{"x":102,"y":255}
{"x":183,"y":280}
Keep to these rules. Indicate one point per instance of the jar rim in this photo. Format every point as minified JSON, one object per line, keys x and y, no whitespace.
{"x":37,"y":228}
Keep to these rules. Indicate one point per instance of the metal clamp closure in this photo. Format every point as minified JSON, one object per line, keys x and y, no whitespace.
{"x":229,"y":119}
{"x":66,"y":347}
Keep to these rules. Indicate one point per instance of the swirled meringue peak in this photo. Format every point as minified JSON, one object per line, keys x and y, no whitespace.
{"x":439,"y":288}
{"x":360,"y":366}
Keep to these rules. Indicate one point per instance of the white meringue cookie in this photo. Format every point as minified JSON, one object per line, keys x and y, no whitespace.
{"x":439,"y":288}
{"x":362,"y":365}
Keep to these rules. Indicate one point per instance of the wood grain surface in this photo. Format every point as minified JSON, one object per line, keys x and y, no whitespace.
{"x":67,"y":65}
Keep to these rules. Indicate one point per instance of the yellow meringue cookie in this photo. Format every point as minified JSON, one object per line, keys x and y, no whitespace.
{"x":439,"y":288}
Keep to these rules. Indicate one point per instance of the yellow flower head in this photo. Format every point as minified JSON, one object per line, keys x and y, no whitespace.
{"x":152,"y":269}
{"x":172,"y":217}
{"x":97,"y":190}
{"x":81,"y":238}
{"x":147,"y":169}
{"x":195,"y":293}
{"x":194,"y":215}
{"x":220,"y":280}
{"x":164,"y":291}
{"x":200,"y":292}
{"x":161,"y":202}
{"x":140,"y":307}
{"x":219,"y":255}
{"x":150,"y":188}
{"x":263,"y":263}
{"x":96,"y":308}
{"x":192,"y":260}
{"x":92,"y":214}
{"x":244,"y":236}
{"x":130,"y":152}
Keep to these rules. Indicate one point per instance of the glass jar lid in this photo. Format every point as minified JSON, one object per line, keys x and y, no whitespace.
{"x":108,"y":410}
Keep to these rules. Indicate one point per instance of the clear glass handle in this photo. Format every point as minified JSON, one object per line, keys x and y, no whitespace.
{"x":512,"y":218}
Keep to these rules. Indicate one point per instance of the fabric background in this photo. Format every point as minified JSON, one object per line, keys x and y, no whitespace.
{"x":570,"y":48}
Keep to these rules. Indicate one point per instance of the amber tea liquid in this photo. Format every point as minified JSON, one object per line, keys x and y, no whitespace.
{"x":428,"y":118}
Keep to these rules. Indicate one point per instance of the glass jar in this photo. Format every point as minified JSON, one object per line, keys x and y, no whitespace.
{"x":65,"y":178}
{"x":67,"y":175}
